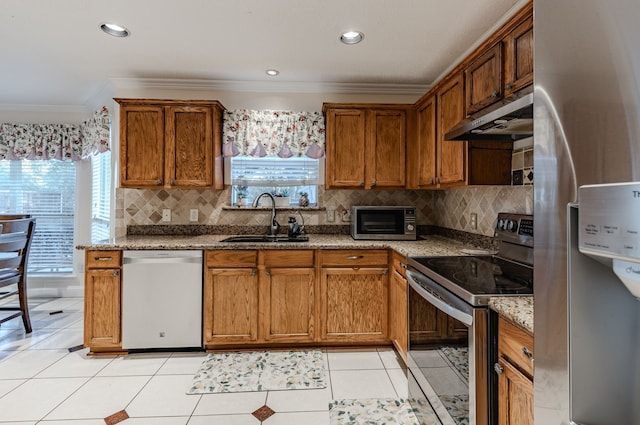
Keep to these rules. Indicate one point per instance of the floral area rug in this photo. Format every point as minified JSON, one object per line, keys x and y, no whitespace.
{"x":374,"y":412}
{"x":260,"y":371}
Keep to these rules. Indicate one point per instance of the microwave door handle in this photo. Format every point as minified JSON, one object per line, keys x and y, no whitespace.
{"x":462,"y":316}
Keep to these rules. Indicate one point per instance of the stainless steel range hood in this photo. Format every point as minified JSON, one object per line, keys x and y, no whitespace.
{"x":510,"y":121}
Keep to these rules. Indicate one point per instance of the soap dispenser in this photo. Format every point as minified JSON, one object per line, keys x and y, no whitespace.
{"x":294,"y":229}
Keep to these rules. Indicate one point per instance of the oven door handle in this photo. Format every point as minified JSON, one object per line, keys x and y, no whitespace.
{"x":462,"y":316}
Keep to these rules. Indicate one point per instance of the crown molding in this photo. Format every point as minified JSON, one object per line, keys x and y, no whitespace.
{"x":269,"y":86}
{"x":67,"y":109}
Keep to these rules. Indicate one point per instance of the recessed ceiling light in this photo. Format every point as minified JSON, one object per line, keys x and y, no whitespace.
{"x":115,"y":30}
{"x":272,"y":72}
{"x":351,"y":37}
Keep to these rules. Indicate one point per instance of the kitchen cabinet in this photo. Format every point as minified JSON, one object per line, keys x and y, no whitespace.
{"x":422,"y":151}
{"x":483,"y":80}
{"x":365,"y":145}
{"x":230,"y":297}
{"x":354,"y":294}
{"x":102,"y":301}
{"x":398,"y":305}
{"x":288,"y":295}
{"x":451,"y":155}
{"x":515,"y":374}
{"x":518,"y":64}
{"x":170,"y":144}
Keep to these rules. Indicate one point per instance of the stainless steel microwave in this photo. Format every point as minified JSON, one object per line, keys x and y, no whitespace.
{"x":383,"y":223}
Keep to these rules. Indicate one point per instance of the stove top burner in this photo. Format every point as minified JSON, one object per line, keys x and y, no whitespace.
{"x":478,"y":276}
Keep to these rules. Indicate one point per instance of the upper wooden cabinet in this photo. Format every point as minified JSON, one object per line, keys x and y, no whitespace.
{"x":483,"y":80}
{"x":518,"y":62}
{"x":451,"y":155}
{"x":365,"y":145}
{"x":422,"y":148}
{"x":170,"y":144}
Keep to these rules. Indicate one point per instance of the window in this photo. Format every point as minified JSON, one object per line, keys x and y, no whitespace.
{"x":100,"y":196}
{"x":283,"y":177}
{"x":46,"y":190}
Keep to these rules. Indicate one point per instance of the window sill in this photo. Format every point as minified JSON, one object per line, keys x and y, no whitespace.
{"x":278,"y":208}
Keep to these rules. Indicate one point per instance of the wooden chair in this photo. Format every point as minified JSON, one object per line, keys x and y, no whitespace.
{"x":15,"y":240}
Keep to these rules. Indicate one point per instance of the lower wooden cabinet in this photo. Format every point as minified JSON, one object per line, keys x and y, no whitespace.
{"x":102,"y":301}
{"x":354,"y":298}
{"x":398,"y":305}
{"x":515,"y":374}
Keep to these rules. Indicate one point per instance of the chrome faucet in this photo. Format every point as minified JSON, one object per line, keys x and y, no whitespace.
{"x":273,"y":226}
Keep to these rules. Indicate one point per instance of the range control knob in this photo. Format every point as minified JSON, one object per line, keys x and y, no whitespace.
{"x":512,"y":225}
{"x":410,"y":227}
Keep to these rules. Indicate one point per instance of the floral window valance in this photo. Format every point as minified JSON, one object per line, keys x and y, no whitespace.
{"x":56,"y":141}
{"x":273,"y":133}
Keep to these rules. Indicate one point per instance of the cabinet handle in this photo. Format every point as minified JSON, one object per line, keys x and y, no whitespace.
{"x":384,"y":273}
{"x":267,"y":272}
{"x":494,"y":94}
{"x":431,"y":180}
{"x":115,"y":273}
{"x":172,"y":182}
{"x":373,"y":183}
{"x":527,"y":353}
{"x":159,"y":182}
{"x":362,"y":184}
{"x":355,"y":257}
{"x":254,"y":272}
{"x":508,"y":87}
{"x":103,"y":258}
{"x":437,"y":180}
{"x":498,"y":368}
{"x":403,"y":265}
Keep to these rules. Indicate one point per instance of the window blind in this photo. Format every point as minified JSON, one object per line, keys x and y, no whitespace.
{"x":46,"y":190}
{"x":100,"y":196}
{"x":274,"y":171}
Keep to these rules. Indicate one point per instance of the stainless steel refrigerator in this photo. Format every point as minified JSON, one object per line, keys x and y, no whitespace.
{"x":586,"y":132}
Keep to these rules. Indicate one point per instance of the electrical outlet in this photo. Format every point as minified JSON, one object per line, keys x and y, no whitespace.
{"x":193,"y":214}
{"x":166,"y":214}
{"x":331,"y":215}
{"x":473,"y":223}
{"x":346,"y":215}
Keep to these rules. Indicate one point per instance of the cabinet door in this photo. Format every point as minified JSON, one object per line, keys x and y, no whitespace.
{"x":422,"y":152}
{"x":354,"y":304}
{"x":189,"y":151}
{"x":142,"y":146}
{"x":483,"y":80}
{"x":519,"y":58}
{"x":515,"y":396}
{"x":385,"y":150}
{"x":345,"y":143}
{"x":288,"y":315}
{"x":450,"y":110}
{"x":102,"y":303}
{"x":455,"y":329}
{"x":399,"y":315}
{"x":230,"y":306}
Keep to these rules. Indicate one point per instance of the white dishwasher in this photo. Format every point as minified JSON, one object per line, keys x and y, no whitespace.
{"x":162,"y":299}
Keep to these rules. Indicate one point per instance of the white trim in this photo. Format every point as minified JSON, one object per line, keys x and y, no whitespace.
{"x":67,"y":109}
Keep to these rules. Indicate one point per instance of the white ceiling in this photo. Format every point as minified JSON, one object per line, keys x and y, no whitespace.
{"x":52,"y":52}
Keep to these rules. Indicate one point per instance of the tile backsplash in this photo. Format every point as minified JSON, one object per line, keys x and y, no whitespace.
{"x":450,"y":208}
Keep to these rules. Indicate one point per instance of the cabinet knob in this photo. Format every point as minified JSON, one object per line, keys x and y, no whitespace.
{"x":267,"y":272}
{"x":437,"y":180}
{"x":159,"y":182}
{"x":498,"y":368}
{"x":362,"y":184}
{"x":403,"y":265}
{"x":494,"y":95}
{"x":172,"y":182}
{"x":508,"y":87}
{"x":432,"y":180}
{"x":115,"y":273}
{"x":373,"y":183}
{"x":527,"y":353}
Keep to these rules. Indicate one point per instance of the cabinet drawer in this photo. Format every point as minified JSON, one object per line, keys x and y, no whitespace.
{"x":516,"y":345}
{"x":231,"y":259}
{"x":354,"y":257}
{"x":287,"y":258}
{"x":103,"y":259}
{"x":399,"y":263}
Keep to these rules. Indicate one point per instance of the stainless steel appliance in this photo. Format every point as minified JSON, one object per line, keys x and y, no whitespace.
{"x":383,"y":223}
{"x":586,"y":131}
{"x":451,"y":352}
{"x":162,"y":299}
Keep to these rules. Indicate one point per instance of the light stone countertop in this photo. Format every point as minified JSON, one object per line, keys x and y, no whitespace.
{"x":425,"y":246}
{"x":517,"y":309}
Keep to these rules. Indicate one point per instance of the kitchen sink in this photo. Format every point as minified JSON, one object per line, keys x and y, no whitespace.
{"x":266,"y":238}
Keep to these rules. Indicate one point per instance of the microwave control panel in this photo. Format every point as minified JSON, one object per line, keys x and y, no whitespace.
{"x":609,"y":220}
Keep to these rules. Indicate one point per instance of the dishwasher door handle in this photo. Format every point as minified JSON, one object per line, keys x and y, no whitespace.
{"x":162,"y":260}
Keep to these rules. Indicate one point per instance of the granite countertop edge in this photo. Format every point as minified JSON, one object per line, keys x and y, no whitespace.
{"x":431,"y":245}
{"x":519,"y":310}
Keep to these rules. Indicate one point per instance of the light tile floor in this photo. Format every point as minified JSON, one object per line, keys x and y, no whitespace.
{"x":42,"y":382}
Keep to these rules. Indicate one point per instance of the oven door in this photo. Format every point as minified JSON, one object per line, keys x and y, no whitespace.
{"x":448,"y":355}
